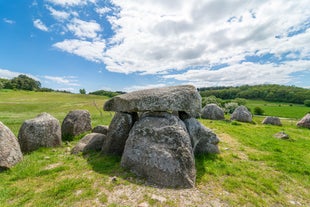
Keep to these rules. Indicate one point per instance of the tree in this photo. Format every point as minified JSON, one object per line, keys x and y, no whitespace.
{"x":307,"y":103}
{"x":23,"y":82}
{"x":258,"y":111}
{"x":82,"y":91}
{"x":3,"y":82}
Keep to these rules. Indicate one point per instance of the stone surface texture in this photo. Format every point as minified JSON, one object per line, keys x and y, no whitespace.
{"x":241,"y":114}
{"x":10,"y":152}
{"x":175,"y":98}
{"x":76,"y":122}
{"x":119,"y":129}
{"x":272,"y":120}
{"x":213,"y":112}
{"x":305,"y":121}
{"x":281,"y":135}
{"x":90,"y":142}
{"x":102,"y":129}
{"x":203,"y":140}
{"x":42,"y":131}
{"x":159,"y":149}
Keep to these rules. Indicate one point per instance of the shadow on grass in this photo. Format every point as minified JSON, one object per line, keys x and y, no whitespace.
{"x":201,"y":162}
{"x":110,"y":165}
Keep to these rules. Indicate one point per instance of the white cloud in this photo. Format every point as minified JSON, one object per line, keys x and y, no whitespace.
{"x":8,"y":74}
{"x":103,"y":10}
{"x":155,"y":36}
{"x":92,"y":51}
{"x":40,"y":25}
{"x":161,"y":37}
{"x":141,"y":87}
{"x":66,"y":80}
{"x":59,"y":15}
{"x":84,"y":29}
{"x":9,"y":21}
{"x":71,"y":2}
{"x":243,"y":73}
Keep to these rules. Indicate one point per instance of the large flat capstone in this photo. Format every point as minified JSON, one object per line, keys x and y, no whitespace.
{"x":174,"y":98}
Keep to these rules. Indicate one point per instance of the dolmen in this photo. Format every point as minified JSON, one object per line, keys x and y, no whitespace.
{"x":157,"y":134}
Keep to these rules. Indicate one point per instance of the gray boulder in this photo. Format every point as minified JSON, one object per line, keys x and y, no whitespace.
{"x":118,"y":132}
{"x":212,"y":111}
{"x":102,"y":129}
{"x":10,"y":153}
{"x":159,"y":149}
{"x":76,"y":122}
{"x":241,"y":113}
{"x":305,"y":121}
{"x":203,"y":140}
{"x":42,"y":131}
{"x":272,"y":120}
{"x":175,"y":98}
{"x":90,"y":142}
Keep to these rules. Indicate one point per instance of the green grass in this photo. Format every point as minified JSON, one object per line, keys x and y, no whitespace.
{"x":17,"y":106}
{"x":253,"y":169}
{"x":287,"y":110}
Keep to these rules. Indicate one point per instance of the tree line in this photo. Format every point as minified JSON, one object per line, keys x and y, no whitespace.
{"x":268,"y":92}
{"x":23,"y":82}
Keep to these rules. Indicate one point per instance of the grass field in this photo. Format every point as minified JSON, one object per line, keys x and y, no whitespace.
{"x":253,"y":169}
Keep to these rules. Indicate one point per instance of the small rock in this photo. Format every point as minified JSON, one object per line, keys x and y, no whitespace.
{"x":144,"y":204}
{"x":281,"y":135}
{"x":114,"y":179}
{"x":102,"y":129}
{"x":158,"y":198}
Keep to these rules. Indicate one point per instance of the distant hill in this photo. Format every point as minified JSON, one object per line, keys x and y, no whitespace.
{"x":106,"y":93}
{"x":269,"y":92}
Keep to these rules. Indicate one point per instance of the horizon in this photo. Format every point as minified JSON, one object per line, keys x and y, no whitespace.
{"x":125,"y":46}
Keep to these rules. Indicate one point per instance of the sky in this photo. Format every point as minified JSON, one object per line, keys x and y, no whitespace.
{"x":126,"y":45}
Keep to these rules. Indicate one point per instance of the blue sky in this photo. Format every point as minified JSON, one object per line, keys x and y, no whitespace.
{"x":134,"y":44}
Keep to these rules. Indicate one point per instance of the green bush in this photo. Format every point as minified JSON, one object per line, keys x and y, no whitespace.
{"x":307,"y":103}
{"x":211,"y":100}
{"x":258,"y":111}
{"x":230,"y":107}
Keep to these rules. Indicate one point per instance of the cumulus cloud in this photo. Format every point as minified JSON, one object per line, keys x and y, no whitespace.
{"x":152,"y":37}
{"x":141,"y":87}
{"x":65,"y":80}
{"x":40,"y":25}
{"x":243,"y":73}
{"x":102,"y":10}
{"x":92,"y":51}
{"x":84,"y":29}
{"x":59,"y":15}
{"x":8,"y":74}
{"x":181,"y":39}
{"x":71,"y":2}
